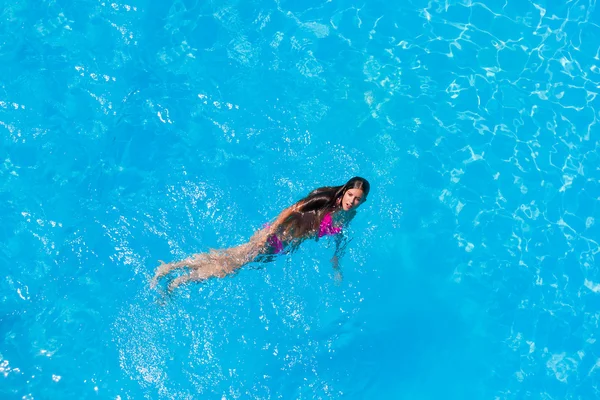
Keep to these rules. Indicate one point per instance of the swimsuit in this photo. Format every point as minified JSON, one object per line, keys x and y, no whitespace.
{"x":326,"y":228}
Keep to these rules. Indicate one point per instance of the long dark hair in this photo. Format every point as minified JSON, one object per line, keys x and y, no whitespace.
{"x":311,"y":209}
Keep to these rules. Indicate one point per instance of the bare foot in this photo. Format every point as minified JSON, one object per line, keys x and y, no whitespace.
{"x":179,"y":281}
{"x":161,"y":270}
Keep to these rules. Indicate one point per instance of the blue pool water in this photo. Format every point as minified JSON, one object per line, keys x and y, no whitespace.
{"x":133,"y":132}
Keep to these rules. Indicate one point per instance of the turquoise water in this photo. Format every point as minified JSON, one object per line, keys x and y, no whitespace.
{"x":133,"y":132}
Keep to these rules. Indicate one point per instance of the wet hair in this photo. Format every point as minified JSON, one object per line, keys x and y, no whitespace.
{"x":311,"y":209}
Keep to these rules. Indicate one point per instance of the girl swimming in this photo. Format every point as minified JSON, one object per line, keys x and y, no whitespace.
{"x":323,"y":212}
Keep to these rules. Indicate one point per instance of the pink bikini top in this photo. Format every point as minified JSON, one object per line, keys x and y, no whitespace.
{"x":327,"y":227}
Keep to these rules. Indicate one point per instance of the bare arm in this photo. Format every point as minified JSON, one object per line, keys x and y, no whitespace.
{"x":340,"y":250}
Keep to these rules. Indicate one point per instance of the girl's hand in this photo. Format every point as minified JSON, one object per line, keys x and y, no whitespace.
{"x":335,"y":262}
{"x":338,"y":277}
{"x":337,"y":272}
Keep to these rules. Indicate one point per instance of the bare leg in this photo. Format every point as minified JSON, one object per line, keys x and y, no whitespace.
{"x":179,"y":281}
{"x":215,"y":263}
{"x":164,"y":268}
{"x":194,"y":276}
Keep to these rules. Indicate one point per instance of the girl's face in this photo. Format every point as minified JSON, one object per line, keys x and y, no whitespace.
{"x":352,"y":199}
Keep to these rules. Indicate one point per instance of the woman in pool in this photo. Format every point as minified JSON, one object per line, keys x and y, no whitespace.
{"x":323,"y":212}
